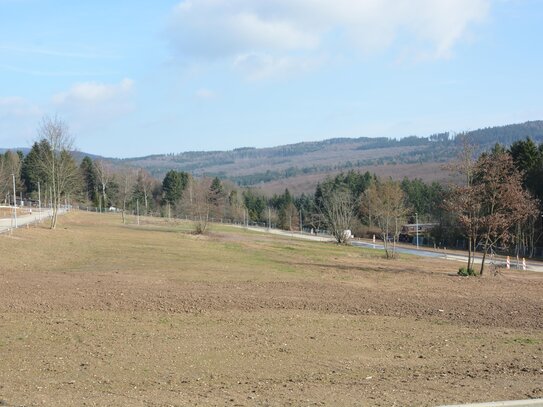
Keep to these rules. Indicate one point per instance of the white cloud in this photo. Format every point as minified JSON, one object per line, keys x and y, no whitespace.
{"x":94,"y":93}
{"x":256,"y":66}
{"x":91,"y":105}
{"x":86,"y":106}
{"x":18,"y":108}
{"x":18,"y":118}
{"x":282,"y":29}
{"x":211,"y":28}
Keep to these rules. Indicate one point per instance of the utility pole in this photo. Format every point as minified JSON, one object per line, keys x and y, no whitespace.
{"x":269,"y":218}
{"x":301,"y":224}
{"x":417,"y":226}
{"x":14,"y":201}
{"x":39,"y":201}
{"x":138,"y":210}
{"x":290,"y":222}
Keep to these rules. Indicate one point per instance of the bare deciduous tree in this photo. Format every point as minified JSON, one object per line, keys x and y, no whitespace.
{"x":337,"y":210}
{"x":234,"y":203}
{"x":105,"y":175}
{"x":144,"y":187}
{"x":56,"y":162}
{"x":386,"y":200}
{"x":10,"y":164}
{"x":126,"y":180}
{"x":199,"y":203}
{"x":291,"y":216}
{"x":491,"y":203}
{"x":503,"y":201}
{"x":464,"y":196}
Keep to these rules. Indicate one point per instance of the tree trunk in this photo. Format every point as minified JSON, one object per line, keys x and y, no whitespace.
{"x":482,"y":263}
{"x":485,"y":251}
{"x":469,"y":253}
{"x":146,"y":203}
{"x":124,"y":208}
{"x":104,"y":195}
{"x":385,"y":243}
{"x":54,"y":207}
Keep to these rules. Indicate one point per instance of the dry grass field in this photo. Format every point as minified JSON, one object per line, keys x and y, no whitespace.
{"x":97,"y":313}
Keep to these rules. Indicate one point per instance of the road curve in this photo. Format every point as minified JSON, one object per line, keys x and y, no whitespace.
{"x":530,"y":265}
{"x":456,"y":256}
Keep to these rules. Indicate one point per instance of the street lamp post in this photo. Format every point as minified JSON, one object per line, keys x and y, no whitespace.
{"x":417,"y":226}
{"x":14,"y":201}
{"x":39,"y":201}
{"x":138,"y":210}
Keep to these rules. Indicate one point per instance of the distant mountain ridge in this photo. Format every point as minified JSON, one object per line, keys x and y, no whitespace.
{"x":77,"y":154}
{"x":299,"y":166}
{"x":249,"y":166}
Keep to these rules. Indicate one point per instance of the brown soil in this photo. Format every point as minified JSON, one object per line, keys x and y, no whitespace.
{"x":349,"y":330}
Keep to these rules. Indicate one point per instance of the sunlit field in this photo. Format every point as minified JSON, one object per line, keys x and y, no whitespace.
{"x":101,"y":313}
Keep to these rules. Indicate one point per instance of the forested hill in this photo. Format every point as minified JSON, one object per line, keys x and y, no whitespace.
{"x":298,"y":165}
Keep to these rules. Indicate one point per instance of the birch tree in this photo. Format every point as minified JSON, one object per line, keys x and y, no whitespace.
{"x":386,"y":200}
{"x":126,"y":180}
{"x":104,"y":175}
{"x":56,"y":162}
{"x":143,"y":188}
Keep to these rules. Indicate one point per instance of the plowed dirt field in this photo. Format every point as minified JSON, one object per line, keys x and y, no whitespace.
{"x":98,"y":313}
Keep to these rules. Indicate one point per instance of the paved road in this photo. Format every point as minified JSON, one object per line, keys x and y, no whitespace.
{"x":7,"y":223}
{"x":399,"y":249}
{"x":296,"y":235}
{"x":456,"y":256}
{"x":530,"y":265}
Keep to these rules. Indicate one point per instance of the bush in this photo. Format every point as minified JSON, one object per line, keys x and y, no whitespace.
{"x":465,"y":272}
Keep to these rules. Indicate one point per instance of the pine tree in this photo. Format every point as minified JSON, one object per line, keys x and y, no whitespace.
{"x":90,"y":179}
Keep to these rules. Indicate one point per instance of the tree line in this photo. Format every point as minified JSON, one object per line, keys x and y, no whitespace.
{"x":495,"y":202}
{"x":50,"y":176}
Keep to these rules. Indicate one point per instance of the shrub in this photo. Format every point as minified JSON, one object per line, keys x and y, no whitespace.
{"x":465,"y":272}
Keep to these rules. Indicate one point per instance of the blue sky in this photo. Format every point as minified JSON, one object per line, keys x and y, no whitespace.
{"x":132,"y":78}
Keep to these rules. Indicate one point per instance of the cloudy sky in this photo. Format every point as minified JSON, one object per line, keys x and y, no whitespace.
{"x":138,"y":77}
